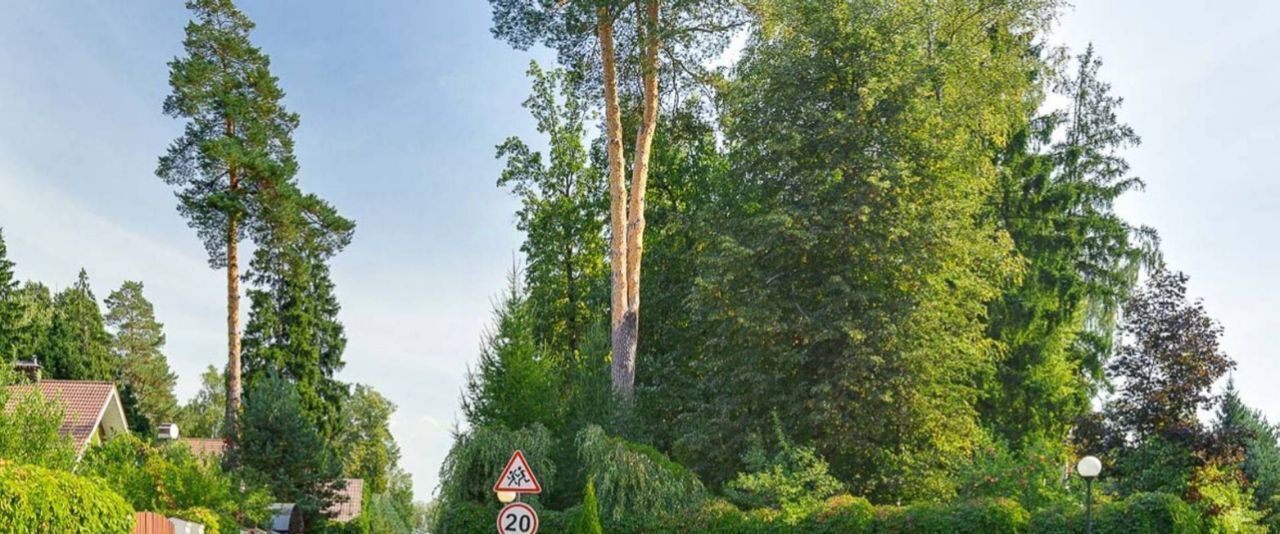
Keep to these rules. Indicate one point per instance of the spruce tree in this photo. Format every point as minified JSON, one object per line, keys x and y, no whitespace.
{"x":10,"y":307}
{"x":79,"y":346}
{"x":1249,"y":432}
{"x":280,"y":444}
{"x":293,"y":324}
{"x":30,"y":334}
{"x":138,"y":342}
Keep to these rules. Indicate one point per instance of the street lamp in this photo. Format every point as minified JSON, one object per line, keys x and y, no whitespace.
{"x":1089,"y":467}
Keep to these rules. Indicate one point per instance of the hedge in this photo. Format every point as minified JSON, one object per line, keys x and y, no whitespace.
{"x":1144,"y":513}
{"x":1141,"y":513}
{"x":34,"y":499}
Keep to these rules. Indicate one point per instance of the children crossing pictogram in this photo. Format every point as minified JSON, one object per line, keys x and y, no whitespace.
{"x":517,"y":477}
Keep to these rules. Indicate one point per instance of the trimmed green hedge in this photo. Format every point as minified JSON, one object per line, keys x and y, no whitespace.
{"x":35,"y":499}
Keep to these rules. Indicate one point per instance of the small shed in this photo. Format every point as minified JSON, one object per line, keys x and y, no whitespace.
{"x":286,"y":518}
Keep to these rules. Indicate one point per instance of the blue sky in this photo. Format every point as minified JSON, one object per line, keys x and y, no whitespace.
{"x":402,"y":103}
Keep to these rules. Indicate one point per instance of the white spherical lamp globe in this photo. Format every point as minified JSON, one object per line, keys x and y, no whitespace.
{"x":1089,"y":467}
{"x":506,"y":496}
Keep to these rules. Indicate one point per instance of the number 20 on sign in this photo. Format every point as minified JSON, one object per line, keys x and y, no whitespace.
{"x":517,"y":518}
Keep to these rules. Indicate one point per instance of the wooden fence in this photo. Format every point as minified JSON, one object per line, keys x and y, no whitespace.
{"x":151,"y":523}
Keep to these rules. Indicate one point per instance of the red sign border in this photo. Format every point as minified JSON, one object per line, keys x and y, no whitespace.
{"x":497,"y":486}
{"x":532,"y":512}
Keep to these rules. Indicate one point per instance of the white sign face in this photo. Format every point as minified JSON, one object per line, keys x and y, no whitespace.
{"x":517,"y":477}
{"x":517,"y":518}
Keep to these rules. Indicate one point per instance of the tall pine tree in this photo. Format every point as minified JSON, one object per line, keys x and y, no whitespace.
{"x":233,"y":167}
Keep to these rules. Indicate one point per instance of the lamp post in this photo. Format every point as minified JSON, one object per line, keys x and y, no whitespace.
{"x":1089,"y":467}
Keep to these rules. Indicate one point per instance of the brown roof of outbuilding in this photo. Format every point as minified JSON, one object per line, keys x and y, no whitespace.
{"x":350,"y":508}
{"x":83,"y":401}
{"x":204,"y":447}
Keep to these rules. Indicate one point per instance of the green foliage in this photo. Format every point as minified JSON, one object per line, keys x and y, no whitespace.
{"x":10,"y":306}
{"x":293,"y":324}
{"x":1158,"y":465}
{"x":169,"y":479}
{"x":202,"y":416}
{"x":30,"y":427}
{"x":1033,"y":476}
{"x":280,"y":447}
{"x":213,"y":524}
{"x":510,"y":383}
{"x":1148,"y":513}
{"x":35,"y":499}
{"x":478,"y":456}
{"x":78,"y":346}
{"x":137,"y":342}
{"x":1246,"y":430}
{"x":30,"y":334}
{"x":365,"y":444}
{"x":587,"y":519}
{"x":794,"y":479}
{"x":562,"y":215}
{"x":1224,"y":501}
{"x":1059,"y":179}
{"x":842,"y":513}
{"x":634,"y":479}
{"x":848,"y":289}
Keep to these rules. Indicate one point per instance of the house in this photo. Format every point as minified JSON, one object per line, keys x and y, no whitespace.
{"x":205,"y":448}
{"x":93,"y":411}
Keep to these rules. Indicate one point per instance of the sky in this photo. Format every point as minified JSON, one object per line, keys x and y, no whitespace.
{"x":402,"y":103}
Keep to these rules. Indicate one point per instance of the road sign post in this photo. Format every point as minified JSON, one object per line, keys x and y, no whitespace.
{"x":516,"y":478}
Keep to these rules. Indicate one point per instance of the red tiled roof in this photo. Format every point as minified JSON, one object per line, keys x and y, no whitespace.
{"x":350,"y":508}
{"x":204,"y":447}
{"x":84,"y":402}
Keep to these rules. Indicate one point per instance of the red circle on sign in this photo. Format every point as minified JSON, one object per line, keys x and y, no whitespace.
{"x":516,"y":519}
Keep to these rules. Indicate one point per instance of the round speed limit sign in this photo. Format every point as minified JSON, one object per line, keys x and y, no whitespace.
{"x":517,"y":518}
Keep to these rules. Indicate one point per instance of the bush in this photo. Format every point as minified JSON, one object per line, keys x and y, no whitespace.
{"x":635,"y":480}
{"x":588,"y":520}
{"x":1142,"y":513}
{"x":795,"y":479}
{"x":479,"y":455}
{"x":994,"y":516}
{"x":35,"y":499}
{"x":170,"y":480}
{"x":29,"y":428}
{"x":842,"y":514}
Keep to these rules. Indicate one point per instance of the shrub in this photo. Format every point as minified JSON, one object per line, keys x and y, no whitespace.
{"x":29,"y":429}
{"x":204,"y":516}
{"x":1148,"y":513}
{"x":842,"y":514}
{"x":170,"y":480}
{"x":635,"y":480}
{"x":35,"y":499}
{"x":795,"y":479}
{"x":479,"y":455}
{"x":1031,"y":476}
{"x":994,"y":516}
{"x":1142,"y":513}
{"x":588,"y":521}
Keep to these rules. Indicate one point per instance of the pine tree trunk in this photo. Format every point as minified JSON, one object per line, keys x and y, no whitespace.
{"x":231,"y":427}
{"x":622,"y":336}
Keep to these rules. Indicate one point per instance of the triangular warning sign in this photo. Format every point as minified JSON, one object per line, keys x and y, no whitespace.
{"x":517,"y":477}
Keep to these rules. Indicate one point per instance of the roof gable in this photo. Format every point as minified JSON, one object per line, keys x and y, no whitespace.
{"x":85,"y":403}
